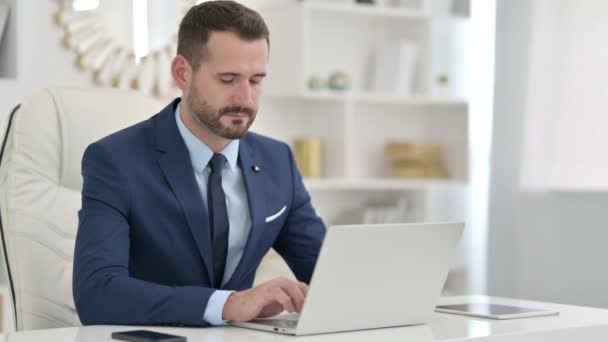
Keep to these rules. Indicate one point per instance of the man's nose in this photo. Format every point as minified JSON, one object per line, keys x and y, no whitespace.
{"x":244,"y":94}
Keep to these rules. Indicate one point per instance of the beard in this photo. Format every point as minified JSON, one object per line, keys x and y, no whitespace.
{"x":210,"y":117}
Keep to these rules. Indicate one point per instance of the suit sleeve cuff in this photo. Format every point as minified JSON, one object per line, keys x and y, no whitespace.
{"x":215,"y":307}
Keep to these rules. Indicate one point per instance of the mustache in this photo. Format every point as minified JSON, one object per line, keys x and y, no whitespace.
{"x":237,"y":109}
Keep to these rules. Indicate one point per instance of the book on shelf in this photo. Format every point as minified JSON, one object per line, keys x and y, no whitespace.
{"x":395,"y":68}
{"x":415,"y":160}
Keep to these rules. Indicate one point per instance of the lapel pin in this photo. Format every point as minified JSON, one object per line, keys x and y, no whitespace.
{"x":255,"y":168}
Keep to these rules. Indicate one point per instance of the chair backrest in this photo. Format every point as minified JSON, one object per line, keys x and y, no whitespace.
{"x":40,"y":192}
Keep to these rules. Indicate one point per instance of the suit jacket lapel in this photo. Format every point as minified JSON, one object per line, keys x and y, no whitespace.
{"x":254,"y":183}
{"x":174,"y":161}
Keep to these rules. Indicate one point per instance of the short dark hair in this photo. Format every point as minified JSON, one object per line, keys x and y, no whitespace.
{"x":220,"y":15}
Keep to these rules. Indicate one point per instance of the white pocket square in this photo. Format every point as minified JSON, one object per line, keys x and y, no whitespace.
{"x":273,"y":217}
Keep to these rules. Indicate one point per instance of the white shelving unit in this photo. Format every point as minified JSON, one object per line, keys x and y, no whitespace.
{"x":384,"y":184}
{"x":317,"y":38}
{"x":368,"y":97}
{"x":382,"y":12}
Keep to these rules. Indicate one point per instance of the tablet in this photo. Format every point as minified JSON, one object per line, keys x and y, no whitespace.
{"x":493,"y":311}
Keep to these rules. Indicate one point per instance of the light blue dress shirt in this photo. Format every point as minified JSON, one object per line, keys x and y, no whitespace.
{"x":237,"y":204}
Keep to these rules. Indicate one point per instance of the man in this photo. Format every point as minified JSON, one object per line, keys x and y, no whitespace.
{"x":178,"y":211}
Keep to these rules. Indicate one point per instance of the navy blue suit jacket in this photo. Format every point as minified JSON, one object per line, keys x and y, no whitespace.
{"x":143,"y":249}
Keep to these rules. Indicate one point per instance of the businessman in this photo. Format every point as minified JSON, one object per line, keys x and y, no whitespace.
{"x":178,"y":210}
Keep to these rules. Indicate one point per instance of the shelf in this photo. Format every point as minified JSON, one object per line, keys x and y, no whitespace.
{"x":380,"y":184}
{"x":411,"y":100}
{"x":322,"y":37}
{"x":366,"y":10}
{"x":373,"y":98}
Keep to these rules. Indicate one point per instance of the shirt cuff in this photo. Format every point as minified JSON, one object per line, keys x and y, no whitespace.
{"x":215,"y":307}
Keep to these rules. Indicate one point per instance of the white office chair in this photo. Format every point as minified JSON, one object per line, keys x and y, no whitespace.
{"x":40,"y":192}
{"x":40,"y":195}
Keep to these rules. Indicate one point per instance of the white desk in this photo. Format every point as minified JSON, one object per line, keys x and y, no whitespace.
{"x":573,"y":324}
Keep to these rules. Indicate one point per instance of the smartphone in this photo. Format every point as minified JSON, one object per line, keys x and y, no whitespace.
{"x":146,"y":336}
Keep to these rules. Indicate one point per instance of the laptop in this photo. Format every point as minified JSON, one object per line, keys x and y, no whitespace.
{"x":372,"y":276}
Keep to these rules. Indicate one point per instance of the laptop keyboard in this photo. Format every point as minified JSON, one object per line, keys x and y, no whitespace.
{"x":283,"y":321}
{"x":277,"y":322}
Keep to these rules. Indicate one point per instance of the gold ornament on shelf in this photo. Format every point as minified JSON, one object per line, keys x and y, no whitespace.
{"x":308,"y":154}
{"x":415,"y":160}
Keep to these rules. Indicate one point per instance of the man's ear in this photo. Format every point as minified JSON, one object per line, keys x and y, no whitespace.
{"x":181,"y":70}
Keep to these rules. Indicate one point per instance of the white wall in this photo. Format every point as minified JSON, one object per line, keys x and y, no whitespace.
{"x":565,"y":122}
{"x":41,"y":61}
{"x":546,"y":246}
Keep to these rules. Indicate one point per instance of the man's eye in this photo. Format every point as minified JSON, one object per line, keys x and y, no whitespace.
{"x":226,"y":80}
{"x":254,"y":82}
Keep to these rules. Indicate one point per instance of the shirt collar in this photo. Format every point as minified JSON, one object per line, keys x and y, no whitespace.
{"x":200,"y":153}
